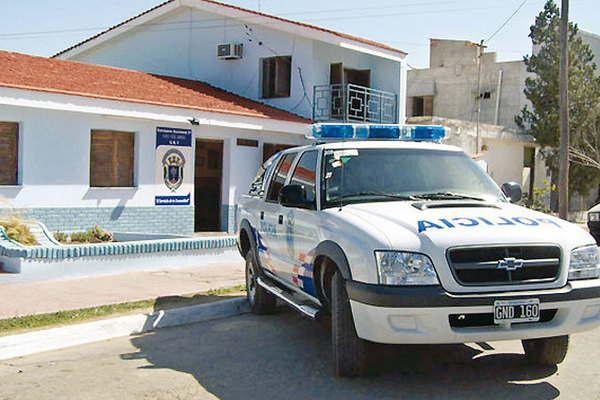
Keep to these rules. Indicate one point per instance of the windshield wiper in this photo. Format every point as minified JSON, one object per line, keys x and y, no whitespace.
{"x":446,"y":196}
{"x":380,"y":194}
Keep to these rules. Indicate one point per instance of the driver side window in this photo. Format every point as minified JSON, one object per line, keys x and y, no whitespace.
{"x":305,"y":175}
{"x":279,"y":177}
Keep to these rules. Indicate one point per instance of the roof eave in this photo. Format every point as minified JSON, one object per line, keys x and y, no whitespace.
{"x":292,"y":27}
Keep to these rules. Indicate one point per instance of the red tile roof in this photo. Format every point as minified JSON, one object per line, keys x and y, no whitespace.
{"x":74,"y":78}
{"x":309,"y":26}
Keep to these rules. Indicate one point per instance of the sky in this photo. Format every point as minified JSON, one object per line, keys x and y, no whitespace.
{"x":44,"y":27}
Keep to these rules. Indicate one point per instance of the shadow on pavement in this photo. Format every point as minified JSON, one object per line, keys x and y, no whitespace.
{"x":286,"y":356}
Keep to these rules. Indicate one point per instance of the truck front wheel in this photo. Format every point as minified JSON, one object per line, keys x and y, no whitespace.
{"x":546,"y":351}
{"x":350,"y":353}
{"x":260,"y":300}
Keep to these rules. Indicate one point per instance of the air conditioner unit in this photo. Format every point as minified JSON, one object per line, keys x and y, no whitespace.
{"x":230,"y":51}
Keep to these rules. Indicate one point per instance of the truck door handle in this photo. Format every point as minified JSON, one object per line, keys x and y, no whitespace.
{"x":262,"y":215}
{"x":280,"y":219}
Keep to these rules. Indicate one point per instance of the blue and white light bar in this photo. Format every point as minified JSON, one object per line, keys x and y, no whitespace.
{"x":341,"y":132}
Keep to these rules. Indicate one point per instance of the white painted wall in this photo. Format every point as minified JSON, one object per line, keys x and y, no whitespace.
{"x":183,"y":43}
{"x":505,"y":160}
{"x":55,"y":148}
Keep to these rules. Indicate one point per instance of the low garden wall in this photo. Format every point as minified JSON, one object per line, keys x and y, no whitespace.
{"x":77,"y":260}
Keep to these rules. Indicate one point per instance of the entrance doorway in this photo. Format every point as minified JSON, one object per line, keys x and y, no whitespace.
{"x":207,"y":185}
{"x":346,"y":103}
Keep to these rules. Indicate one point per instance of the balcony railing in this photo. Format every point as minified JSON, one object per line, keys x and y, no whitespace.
{"x":350,"y":103}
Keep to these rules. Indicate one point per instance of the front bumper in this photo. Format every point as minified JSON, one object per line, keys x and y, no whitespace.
{"x":405,"y":315}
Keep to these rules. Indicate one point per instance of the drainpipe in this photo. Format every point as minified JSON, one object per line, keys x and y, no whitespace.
{"x":498,"y":93}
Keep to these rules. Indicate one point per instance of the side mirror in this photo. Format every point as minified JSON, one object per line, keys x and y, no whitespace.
{"x":293,"y":196}
{"x":513,"y":191}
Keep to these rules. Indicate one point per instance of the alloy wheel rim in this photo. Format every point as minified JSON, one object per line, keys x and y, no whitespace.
{"x":250,"y":282}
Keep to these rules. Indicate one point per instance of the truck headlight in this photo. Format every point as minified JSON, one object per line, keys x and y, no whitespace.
{"x":405,"y":268}
{"x":585,"y":263}
{"x":594,"y":216}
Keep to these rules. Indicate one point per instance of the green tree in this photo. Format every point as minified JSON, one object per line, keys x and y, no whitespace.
{"x":541,"y":120}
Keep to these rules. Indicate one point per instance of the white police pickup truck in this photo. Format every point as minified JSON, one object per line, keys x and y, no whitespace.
{"x":402,"y":240}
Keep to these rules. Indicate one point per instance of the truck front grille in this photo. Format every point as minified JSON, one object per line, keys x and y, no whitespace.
{"x":504,"y":265}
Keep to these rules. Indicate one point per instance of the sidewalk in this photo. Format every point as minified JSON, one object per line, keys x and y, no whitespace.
{"x":18,"y":299}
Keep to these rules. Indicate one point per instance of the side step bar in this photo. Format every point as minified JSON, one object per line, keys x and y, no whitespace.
{"x":288,"y":298}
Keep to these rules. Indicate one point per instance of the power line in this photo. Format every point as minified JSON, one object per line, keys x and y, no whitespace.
{"x":33,"y":34}
{"x":507,"y":20}
{"x":247,"y":20}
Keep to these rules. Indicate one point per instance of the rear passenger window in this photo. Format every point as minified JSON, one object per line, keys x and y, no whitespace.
{"x":280,"y":176}
{"x":257,"y":187}
{"x":305,"y":175}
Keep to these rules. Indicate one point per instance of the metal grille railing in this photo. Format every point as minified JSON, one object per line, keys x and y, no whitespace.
{"x":351,"y":103}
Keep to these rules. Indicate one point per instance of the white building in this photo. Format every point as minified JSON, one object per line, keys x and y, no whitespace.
{"x":446,"y":93}
{"x":448,"y":88}
{"x":169,"y":140}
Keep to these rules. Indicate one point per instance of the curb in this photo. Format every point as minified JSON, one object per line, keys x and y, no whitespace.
{"x":72,"y":335}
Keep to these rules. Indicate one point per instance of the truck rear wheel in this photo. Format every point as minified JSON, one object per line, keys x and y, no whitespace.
{"x":350,"y":353}
{"x":546,"y":351}
{"x":260,"y":300}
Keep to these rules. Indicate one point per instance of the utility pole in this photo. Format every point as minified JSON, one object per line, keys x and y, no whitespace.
{"x":480,"y":48}
{"x":563,"y":175}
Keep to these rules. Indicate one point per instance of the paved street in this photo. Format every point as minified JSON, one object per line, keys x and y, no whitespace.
{"x":287,"y":357}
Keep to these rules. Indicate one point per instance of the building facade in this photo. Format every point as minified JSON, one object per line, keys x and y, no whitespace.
{"x":289,"y":65}
{"x":448,"y":88}
{"x":160,"y":123}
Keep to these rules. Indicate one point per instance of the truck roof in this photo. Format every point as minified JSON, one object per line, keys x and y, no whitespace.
{"x":377,"y":144}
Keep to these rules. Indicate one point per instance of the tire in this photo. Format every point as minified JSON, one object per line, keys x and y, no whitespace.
{"x":546,"y":351}
{"x":350,"y":353}
{"x":260,"y":300}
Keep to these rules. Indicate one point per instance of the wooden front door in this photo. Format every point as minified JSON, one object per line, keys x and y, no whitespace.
{"x":208,"y":185}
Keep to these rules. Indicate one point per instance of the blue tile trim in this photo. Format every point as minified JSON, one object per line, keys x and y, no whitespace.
{"x":155,"y":219}
{"x":228,"y":216}
{"x":10,"y":248}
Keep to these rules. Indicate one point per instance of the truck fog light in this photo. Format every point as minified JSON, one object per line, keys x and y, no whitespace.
{"x":405,"y":268}
{"x":585,"y":263}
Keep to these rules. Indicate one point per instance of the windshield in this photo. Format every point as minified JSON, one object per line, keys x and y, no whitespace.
{"x":367,"y":175}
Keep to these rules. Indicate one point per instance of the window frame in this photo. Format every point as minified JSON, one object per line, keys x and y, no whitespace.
{"x":274,"y":94}
{"x":18,"y":154}
{"x":134,"y":164}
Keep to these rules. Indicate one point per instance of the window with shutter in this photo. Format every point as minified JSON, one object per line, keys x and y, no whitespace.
{"x":9,"y":153}
{"x":112,"y":159}
{"x":276,"y":76}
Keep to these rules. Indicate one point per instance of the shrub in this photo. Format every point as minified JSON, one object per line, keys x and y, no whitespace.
{"x":17,"y":230}
{"x":93,"y":235}
{"x":61,"y":236}
{"x":101,"y":234}
{"x":537,"y":200}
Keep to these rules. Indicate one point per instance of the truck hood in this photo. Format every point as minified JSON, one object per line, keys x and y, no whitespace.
{"x":438,"y":225}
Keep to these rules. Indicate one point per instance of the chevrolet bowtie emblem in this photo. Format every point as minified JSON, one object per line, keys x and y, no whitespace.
{"x":510,"y":264}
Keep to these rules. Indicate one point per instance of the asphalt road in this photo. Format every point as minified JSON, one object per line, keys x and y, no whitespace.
{"x":284,"y":356}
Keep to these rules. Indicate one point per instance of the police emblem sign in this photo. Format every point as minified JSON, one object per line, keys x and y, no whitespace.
{"x":173,"y":166}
